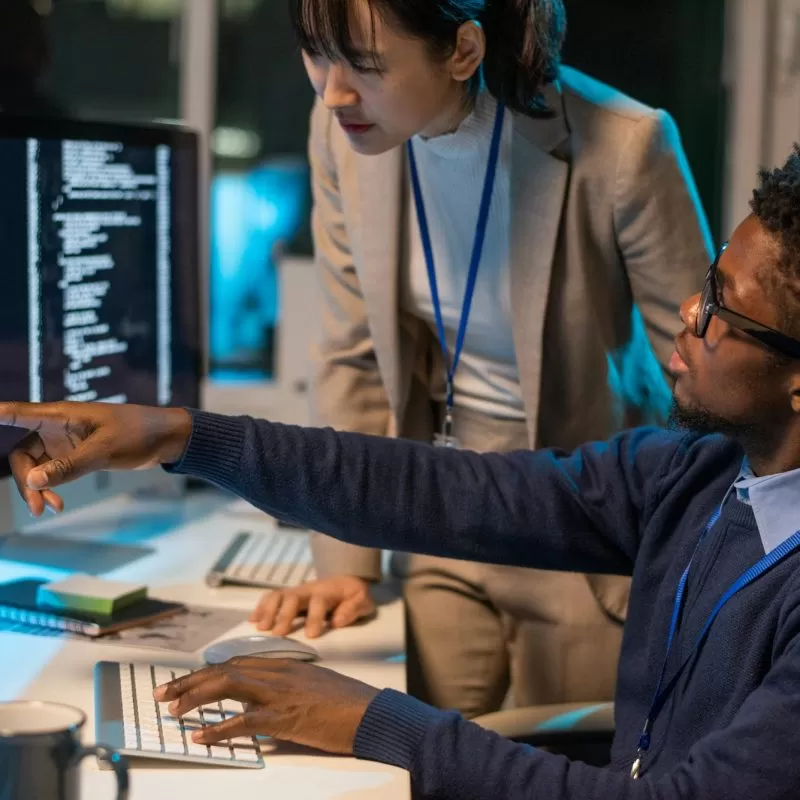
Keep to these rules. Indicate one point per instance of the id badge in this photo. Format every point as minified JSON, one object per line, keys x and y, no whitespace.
{"x":446,"y":438}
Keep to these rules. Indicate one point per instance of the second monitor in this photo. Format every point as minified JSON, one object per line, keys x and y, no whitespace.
{"x":100,"y":296}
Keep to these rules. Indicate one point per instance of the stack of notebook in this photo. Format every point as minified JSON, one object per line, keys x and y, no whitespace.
{"x":32,"y":602}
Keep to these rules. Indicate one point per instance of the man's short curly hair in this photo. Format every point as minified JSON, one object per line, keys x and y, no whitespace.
{"x":776,"y":204}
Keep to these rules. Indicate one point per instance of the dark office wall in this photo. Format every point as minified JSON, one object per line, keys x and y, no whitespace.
{"x":111,"y":66}
{"x":261,"y":80}
{"x":668,"y":54}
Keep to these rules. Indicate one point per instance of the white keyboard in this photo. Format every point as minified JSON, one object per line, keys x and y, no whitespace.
{"x":133,"y":723}
{"x":278,"y":559}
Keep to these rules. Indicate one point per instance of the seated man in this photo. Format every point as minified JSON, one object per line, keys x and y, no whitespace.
{"x":708,"y":697}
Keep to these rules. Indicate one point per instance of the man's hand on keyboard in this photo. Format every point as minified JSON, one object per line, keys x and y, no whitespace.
{"x":287,"y":700}
{"x":342,"y":599}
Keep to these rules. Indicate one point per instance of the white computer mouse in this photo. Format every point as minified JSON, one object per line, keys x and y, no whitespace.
{"x":261,"y":646}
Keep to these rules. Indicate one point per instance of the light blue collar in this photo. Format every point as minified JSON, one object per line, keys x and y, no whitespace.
{"x":775,"y":500}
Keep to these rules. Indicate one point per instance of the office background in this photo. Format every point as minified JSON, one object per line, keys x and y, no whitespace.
{"x":727,"y":70}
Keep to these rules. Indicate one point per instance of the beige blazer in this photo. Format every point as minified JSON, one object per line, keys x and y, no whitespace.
{"x":607,"y":238}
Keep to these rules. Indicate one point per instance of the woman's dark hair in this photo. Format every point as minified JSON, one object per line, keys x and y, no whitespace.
{"x":523,"y":38}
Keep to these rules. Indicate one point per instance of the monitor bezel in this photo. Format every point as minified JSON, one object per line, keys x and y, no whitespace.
{"x":151,"y":133}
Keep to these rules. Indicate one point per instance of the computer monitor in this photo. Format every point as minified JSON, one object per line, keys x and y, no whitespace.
{"x":99,"y":300}
{"x":254,"y":216}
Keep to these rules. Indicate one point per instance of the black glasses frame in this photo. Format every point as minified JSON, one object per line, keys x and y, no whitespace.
{"x":711,"y":306}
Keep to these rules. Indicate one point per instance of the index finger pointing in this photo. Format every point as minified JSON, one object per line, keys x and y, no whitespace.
{"x":24,"y":415}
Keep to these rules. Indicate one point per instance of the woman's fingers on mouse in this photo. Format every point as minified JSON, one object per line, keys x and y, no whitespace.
{"x":274,"y":607}
{"x":264,"y":613}
{"x":353,"y":609}
{"x":317,"y":614}
{"x":289,"y":609}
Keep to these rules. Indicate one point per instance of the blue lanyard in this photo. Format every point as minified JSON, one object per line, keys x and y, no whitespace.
{"x":477,"y":250}
{"x":750,"y":575}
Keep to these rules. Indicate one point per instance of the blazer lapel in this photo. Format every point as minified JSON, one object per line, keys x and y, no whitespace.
{"x":374,"y":194}
{"x":538,"y":189}
{"x":375,"y":197}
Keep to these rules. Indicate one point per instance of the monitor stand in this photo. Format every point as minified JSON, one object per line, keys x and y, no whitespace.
{"x":103,"y":527}
{"x":74,"y":555}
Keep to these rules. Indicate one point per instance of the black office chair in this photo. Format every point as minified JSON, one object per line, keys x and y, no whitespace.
{"x":580,"y":731}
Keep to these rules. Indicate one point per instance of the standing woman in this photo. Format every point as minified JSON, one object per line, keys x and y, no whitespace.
{"x":502,"y":244}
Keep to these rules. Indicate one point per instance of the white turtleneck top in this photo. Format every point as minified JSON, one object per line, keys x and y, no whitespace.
{"x":452,"y":169}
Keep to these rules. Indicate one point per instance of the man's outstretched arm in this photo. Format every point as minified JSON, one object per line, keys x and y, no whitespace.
{"x":548,"y":510}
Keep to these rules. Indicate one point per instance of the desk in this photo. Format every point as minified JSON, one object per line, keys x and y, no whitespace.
{"x":186,"y":536}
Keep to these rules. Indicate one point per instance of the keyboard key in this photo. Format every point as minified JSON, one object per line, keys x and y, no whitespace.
{"x":243,"y":754}
{"x":231,"y":707}
{"x":221,"y":751}
{"x":175,"y":746}
{"x":248,"y":555}
{"x":245,"y":742}
{"x":196,"y":749}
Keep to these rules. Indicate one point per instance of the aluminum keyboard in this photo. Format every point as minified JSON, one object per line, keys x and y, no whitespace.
{"x":278,"y":559}
{"x":133,"y":723}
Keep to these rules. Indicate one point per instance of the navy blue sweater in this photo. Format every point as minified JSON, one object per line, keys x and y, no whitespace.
{"x":633,"y":506}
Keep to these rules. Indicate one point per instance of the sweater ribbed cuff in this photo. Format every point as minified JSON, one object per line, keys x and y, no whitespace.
{"x":392,"y":729}
{"x":214,"y":452}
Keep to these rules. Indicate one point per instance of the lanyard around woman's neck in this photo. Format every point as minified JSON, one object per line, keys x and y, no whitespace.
{"x":451,"y":366}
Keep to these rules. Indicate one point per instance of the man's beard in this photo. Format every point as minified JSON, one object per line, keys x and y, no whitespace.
{"x":701,"y":420}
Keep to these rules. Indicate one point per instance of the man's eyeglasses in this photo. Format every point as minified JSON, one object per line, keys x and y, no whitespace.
{"x":711,"y":305}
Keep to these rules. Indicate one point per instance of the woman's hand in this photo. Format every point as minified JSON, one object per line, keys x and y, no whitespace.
{"x":342,"y":599}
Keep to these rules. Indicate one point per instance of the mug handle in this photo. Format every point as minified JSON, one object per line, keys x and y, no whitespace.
{"x":114,"y":760}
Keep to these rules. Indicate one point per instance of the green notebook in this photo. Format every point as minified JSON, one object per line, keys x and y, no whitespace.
{"x":90,"y":595}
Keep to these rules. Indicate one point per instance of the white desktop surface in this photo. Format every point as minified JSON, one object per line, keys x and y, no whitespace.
{"x":187,"y":536}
